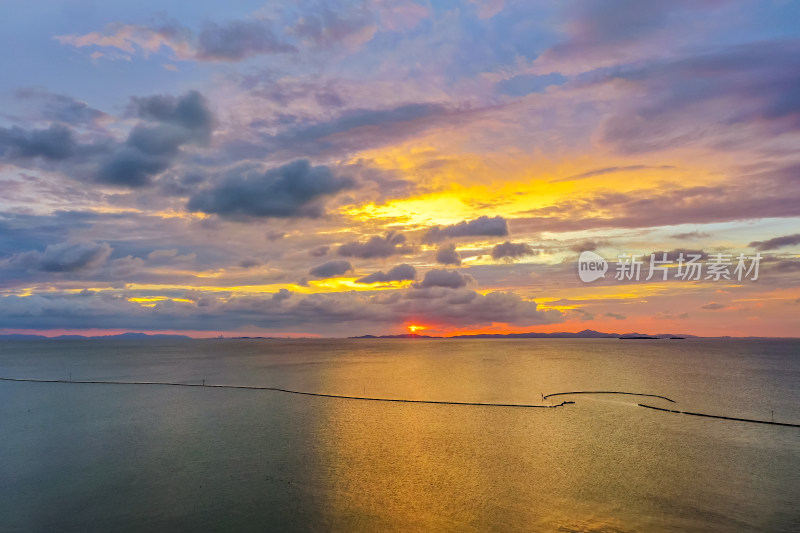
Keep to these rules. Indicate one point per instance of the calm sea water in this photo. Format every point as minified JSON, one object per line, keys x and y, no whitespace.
{"x":148,"y":458}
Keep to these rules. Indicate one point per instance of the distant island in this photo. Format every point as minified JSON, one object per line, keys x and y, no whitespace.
{"x":585,"y":334}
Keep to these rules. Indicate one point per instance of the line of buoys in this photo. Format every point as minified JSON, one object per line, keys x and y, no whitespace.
{"x":277,"y":389}
{"x":722,"y":417}
{"x":607,"y":392}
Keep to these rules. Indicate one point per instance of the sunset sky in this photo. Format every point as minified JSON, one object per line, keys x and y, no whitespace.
{"x":350,"y":167}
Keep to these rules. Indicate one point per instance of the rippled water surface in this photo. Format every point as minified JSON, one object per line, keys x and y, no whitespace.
{"x":86,"y":457}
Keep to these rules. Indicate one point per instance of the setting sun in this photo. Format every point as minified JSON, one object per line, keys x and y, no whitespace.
{"x":413,"y":328}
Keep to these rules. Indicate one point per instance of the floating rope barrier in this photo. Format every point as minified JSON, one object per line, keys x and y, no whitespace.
{"x":607,"y":392}
{"x":722,"y":417}
{"x":396,"y":400}
{"x":277,"y":389}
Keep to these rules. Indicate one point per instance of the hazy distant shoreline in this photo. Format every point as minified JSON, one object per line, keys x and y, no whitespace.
{"x":585,"y":334}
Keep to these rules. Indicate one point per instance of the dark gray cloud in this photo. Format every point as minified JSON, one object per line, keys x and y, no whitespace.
{"x":512,"y":250}
{"x":282,"y":294}
{"x":579,"y":314}
{"x":238,"y":39}
{"x":376,"y":247}
{"x":190,"y":111}
{"x":61,"y":108}
{"x":587,"y":245}
{"x":293,"y":190}
{"x":616,"y":316}
{"x":691,"y":235}
{"x":480,"y":227}
{"x":54,"y":143}
{"x":776,"y":242}
{"x":25,"y":231}
{"x":131,"y":167}
{"x":714,"y":306}
{"x":447,"y":255}
{"x":404,"y":272}
{"x":319,"y":251}
{"x":150,"y":148}
{"x":451,"y":279}
{"x":464,"y":307}
{"x":324,"y":314}
{"x":64,"y":257}
{"x":331,"y":269}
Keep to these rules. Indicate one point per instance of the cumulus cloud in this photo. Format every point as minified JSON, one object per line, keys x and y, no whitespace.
{"x":331,"y":269}
{"x":190,"y":111}
{"x":293,"y":190}
{"x":480,"y":227}
{"x":54,"y":143}
{"x":452,"y":279}
{"x":281,"y":295}
{"x":587,"y":245}
{"x":512,"y":250}
{"x":404,"y":272}
{"x":462,"y":307}
{"x":64,"y":257}
{"x":376,"y":247}
{"x":150,"y":148}
{"x":447,"y":255}
{"x":776,"y":242}
{"x":325,"y":313}
{"x":616,"y":316}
